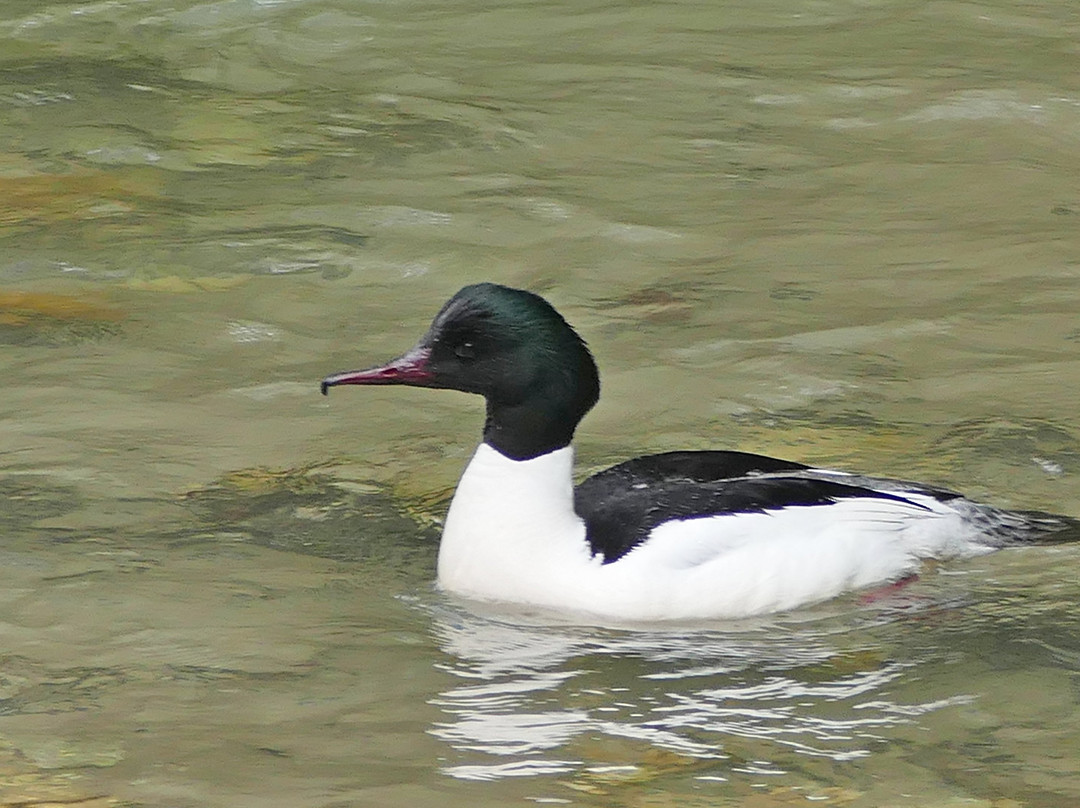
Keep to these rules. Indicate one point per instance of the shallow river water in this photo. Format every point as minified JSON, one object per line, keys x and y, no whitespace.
{"x":843,"y":232}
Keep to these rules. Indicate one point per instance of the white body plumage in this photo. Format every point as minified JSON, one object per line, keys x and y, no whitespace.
{"x":512,"y":535}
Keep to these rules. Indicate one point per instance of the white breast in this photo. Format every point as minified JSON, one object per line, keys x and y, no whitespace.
{"x":511,"y":532}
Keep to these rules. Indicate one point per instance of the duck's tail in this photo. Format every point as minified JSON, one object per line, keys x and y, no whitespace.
{"x":1001,"y":528}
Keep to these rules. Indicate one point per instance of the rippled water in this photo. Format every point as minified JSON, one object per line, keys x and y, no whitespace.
{"x":840,"y":232}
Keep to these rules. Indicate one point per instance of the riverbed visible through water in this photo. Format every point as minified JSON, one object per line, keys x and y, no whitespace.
{"x":840,"y":232}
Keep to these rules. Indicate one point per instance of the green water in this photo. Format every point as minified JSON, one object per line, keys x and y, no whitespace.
{"x":842,"y":232}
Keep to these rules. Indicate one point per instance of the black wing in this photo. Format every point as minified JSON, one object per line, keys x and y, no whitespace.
{"x":621,"y":505}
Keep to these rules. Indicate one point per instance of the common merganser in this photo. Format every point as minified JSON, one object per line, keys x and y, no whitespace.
{"x":676,"y":536}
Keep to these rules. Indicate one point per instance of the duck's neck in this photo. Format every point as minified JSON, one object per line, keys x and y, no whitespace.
{"x":512,"y":526}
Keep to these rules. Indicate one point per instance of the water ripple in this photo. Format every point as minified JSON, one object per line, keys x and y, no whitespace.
{"x":541,"y":694}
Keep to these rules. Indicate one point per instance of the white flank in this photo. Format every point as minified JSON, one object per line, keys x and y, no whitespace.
{"x":512,"y":535}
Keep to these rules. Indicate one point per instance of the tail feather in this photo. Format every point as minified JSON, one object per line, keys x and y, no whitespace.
{"x":1002,"y":528}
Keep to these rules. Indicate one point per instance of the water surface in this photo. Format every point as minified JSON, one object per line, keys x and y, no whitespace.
{"x":840,"y":232}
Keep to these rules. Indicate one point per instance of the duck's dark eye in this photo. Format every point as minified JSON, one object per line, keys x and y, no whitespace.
{"x":465,"y":350}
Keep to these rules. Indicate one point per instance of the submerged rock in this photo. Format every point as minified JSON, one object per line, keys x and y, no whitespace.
{"x":305,"y":510}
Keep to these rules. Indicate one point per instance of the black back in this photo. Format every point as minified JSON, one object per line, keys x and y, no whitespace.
{"x":621,"y":505}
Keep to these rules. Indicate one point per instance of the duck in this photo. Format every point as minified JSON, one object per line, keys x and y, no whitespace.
{"x":677,"y":536}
